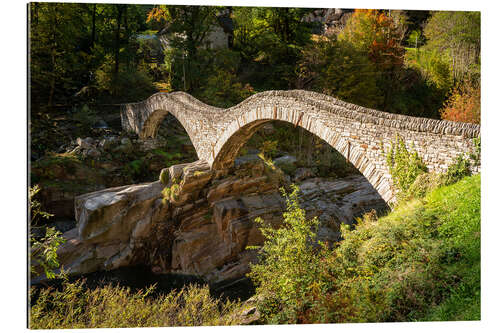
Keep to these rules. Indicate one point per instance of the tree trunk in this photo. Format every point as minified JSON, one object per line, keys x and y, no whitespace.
{"x":125,"y":23}
{"x":53,"y":58}
{"x":92,"y":44}
{"x":117,"y":38}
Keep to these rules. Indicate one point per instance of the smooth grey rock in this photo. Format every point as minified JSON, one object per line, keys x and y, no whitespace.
{"x":126,"y":141}
{"x":249,"y":158}
{"x":112,"y":214}
{"x":302,"y":173}
{"x":287,"y":159}
{"x":86,"y":143}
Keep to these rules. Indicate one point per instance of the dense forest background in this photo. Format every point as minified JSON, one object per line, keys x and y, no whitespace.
{"x":418,"y":63}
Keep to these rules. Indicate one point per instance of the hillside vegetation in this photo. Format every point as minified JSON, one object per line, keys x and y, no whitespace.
{"x":420,"y":262}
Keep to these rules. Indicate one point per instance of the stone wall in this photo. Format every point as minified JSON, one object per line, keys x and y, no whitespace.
{"x":362,"y":135}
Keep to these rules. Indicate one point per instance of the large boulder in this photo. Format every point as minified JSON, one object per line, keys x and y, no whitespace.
{"x":111,"y":214}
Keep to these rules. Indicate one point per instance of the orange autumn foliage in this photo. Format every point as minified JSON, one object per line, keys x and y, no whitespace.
{"x":378,"y":34}
{"x":158,"y":14}
{"x":464,"y":104}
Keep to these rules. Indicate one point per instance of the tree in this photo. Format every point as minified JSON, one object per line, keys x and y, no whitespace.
{"x":270,"y":42}
{"x":187,"y":27}
{"x":380,"y":37}
{"x":457,"y":35}
{"x":464,"y":104}
{"x":337,"y":68}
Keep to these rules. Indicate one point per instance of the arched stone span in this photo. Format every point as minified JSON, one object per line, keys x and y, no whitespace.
{"x":360,"y":134}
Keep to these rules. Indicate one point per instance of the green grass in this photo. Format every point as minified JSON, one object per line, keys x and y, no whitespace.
{"x":422,"y":261}
{"x":458,"y":207}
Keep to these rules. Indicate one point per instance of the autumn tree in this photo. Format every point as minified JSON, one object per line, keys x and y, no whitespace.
{"x":379,"y":36}
{"x":464,"y":104}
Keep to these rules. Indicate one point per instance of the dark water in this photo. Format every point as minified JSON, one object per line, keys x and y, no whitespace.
{"x":141,"y":277}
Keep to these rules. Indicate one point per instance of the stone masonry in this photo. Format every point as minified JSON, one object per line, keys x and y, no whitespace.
{"x":362,"y":135}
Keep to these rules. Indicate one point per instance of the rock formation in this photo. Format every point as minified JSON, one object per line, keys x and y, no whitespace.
{"x":198,"y":221}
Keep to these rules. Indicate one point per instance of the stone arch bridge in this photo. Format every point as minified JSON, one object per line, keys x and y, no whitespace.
{"x":360,"y":134}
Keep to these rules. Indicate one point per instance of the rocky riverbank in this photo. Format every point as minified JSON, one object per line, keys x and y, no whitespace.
{"x":199,"y":222}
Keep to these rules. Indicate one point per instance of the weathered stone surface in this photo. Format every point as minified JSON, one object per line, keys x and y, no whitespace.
{"x":302,"y":173}
{"x":85,"y":143}
{"x":339,"y":201}
{"x":206,"y":233}
{"x":111,"y":214}
{"x":361,"y":135}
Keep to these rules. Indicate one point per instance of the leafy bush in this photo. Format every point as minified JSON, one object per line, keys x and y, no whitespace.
{"x":459,"y":169}
{"x":419,"y":262}
{"x":475,"y":155}
{"x":287,"y":272}
{"x":404,"y":166}
{"x":43,"y":255}
{"x":425,"y":183}
{"x":108,"y":306}
{"x":136,"y":168}
{"x":269,"y":148}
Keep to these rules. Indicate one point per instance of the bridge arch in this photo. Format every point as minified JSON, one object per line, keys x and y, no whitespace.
{"x":144,"y":118}
{"x":244,"y":127}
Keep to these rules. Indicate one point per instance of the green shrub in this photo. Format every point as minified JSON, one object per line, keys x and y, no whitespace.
{"x":172,"y":192}
{"x":136,"y":168}
{"x":459,"y":169}
{"x":269,"y":148}
{"x":475,"y":155}
{"x":43,"y":252}
{"x":419,"y":262}
{"x":164,"y":176}
{"x":108,"y":306}
{"x":404,"y":167}
{"x":289,"y":264}
{"x":425,"y":183}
